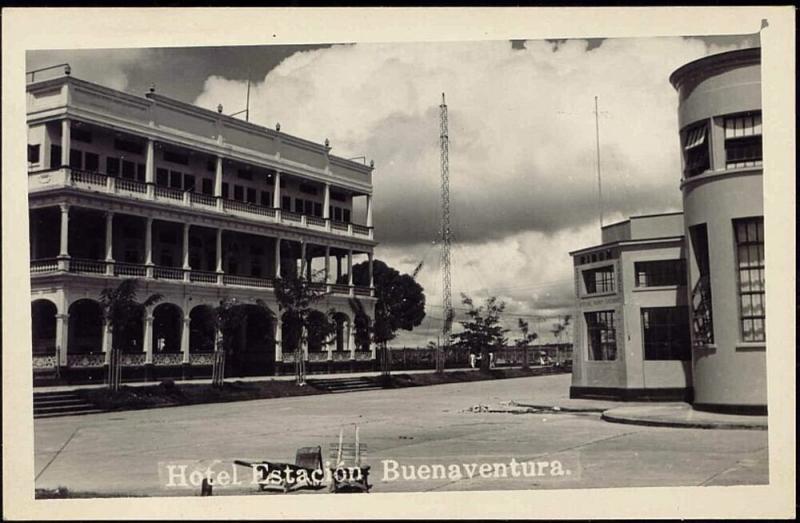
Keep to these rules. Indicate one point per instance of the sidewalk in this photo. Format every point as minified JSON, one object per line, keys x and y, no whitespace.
{"x":288,"y":377}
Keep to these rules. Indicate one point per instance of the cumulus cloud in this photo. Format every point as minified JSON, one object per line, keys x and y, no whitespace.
{"x":522,"y":146}
{"x":107,"y":67}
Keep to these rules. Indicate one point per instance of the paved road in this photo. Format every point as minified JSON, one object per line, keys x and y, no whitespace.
{"x":119,"y":453}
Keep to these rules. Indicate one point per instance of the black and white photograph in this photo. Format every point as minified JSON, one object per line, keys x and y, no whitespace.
{"x":490,"y":272}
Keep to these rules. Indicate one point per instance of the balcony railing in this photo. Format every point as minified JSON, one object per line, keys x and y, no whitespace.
{"x":83,"y":265}
{"x":45,"y":265}
{"x":99,"y":182}
{"x":137,"y":270}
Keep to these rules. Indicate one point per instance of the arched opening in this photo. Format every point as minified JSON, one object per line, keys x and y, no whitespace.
{"x":290,"y":334}
{"x":43,"y":323}
{"x":251,"y":345}
{"x":318,"y":331}
{"x":201,"y":329}
{"x":340,"y":334}
{"x":167,"y":319}
{"x":127,"y":335}
{"x":85,"y":327}
{"x":361,"y":326}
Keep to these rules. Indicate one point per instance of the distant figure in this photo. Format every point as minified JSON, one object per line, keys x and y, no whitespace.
{"x":472,"y":359}
{"x":161,"y":343}
{"x":491,"y":360}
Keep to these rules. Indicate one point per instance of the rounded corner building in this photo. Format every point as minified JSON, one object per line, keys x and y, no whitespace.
{"x":719,"y":115}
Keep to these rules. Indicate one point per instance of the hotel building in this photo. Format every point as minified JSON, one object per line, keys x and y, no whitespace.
{"x":719,"y":248}
{"x":200,"y":207}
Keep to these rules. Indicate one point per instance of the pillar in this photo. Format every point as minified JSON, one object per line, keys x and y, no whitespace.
{"x":302,"y":259}
{"x":185,"y":338}
{"x":186,"y":265}
{"x":110,"y":243}
{"x":150,"y":168}
{"x":64,"y":242}
{"x":148,"y":247}
{"x":147,"y":338}
{"x":326,"y":207}
{"x":276,"y":194}
{"x":108,"y":341}
{"x":218,"y":178}
{"x":350,"y":267}
{"x":219,"y":251}
{"x":338,"y":268}
{"x":351,"y":338}
{"x":369,"y":210}
{"x":277,"y":257}
{"x":278,"y":341}
{"x":371,"y":281}
{"x":62,"y":337}
{"x":66,"y":141}
{"x":327,"y":264}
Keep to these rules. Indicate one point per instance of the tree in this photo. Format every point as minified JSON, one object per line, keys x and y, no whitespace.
{"x":296,"y":296}
{"x":557,"y":330}
{"x":482,"y":330}
{"x":122,"y":312}
{"x":400,"y":300}
{"x":526,"y":339}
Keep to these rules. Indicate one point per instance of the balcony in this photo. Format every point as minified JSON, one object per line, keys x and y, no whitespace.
{"x":100,"y":183}
{"x":51,"y":266}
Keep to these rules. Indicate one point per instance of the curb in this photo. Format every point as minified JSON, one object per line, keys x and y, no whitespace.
{"x":708,"y":425}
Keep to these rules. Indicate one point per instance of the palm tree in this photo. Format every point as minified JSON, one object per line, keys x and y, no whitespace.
{"x":121,"y":311}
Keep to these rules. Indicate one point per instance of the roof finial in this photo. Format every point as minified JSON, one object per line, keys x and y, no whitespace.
{"x":219,"y":108}
{"x":152,"y":88}
{"x":327,"y":143}
{"x":372,"y":164}
{"x":67,"y":70}
{"x":278,"y":127}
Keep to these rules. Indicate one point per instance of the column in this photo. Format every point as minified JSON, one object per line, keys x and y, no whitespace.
{"x":371,"y":281}
{"x":302,"y":259}
{"x":277,"y":257}
{"x":186,"y":267}
{"x":147,"y":339}
{"x":218,"y":178}
{"x":107,"y":339}
{"x":327,"y":264}
{"x":148,"y":247}
{"x":66,"y":142}
{"x":369,"y":210}
{"x":350,"y":267}
{"x":351,"y":338}
{"x":64,"y":244}
{"x":62,"y":335}
{"x":304,"y":342}
{"x":150,"y":168}
{"x":219,"y":256}
{"x":326,"y":207}
{"x":278,"y":339}
{"x":338,"y":268}
{"x":185,"y":338}
{"x":276,"y":196}
{"x":110,"y":243}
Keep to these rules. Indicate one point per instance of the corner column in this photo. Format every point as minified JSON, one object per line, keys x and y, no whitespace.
{"x":219,"y":257}
{"x":63,"y":252}
{"x":277,"y":257}
{"x":276,"y":196}
{"x":186,"y":267}
{"x":148,"y":247}
{"x":62,"y":335}
{"x":150,"y":168}
{"x":327,"y":264}
{"x":218,"y":183}
{"x":110,"y":243}
{"x":351,"y":338}
{"x":185,"y":338}
{"x":147,"y":338}
{"x":326,"y":206}
{"x":66,"y":141}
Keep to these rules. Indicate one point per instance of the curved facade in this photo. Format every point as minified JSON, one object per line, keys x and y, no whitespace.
{"x":720,"y":130}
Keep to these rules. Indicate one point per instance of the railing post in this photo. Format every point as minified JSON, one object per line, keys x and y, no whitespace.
{"x":111,"y":184}
{"x":151,"y":191}
{"x":350,"y":229}
{"x":187,"y":198}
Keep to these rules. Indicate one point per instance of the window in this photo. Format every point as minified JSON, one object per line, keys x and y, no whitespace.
{"x":308,"y":207}
{"x":298,"y":205}
{"x":188,"y":182}
{"x":251,"y":195}
{"x":128,"y":170}
{"x":743,"y":140}
{"x":162,"y":177}
{"x":602,"y":335}
{"x":337,"y":214}
{"x":75,"y":159}
{"x":168,"y":237}
{"x":141,"y":172}
{"x":174,"y":157}
{"x":211,"y":165}
{"x":750,"y":264}
{"x":599,"y":280}
{"x":665,"y":333}
{"x":695,"y":150}
{"x":346,"y":215}
{"x":81,"y":135}
{"x":660,"y":273}
{"x":55,"y":156}
{"x":91,"y":162}
{"x":128,"y":146}
{"x":112,"y":166}
{"x":702,"y":318}
{"x":33,"y":153}
{"x":318,"y":209}
{"x":175,"y":179}
{"x":238,"y":193}
{"x":266,"y":199}
{"x":225,"y":191}
{"x":286,"y":203}
{"x":208,"y":186}
{"x":245,"y":174}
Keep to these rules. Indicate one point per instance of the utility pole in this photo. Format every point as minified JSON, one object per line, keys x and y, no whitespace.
{"x":599,"y":185}
{"x":447,"y":304}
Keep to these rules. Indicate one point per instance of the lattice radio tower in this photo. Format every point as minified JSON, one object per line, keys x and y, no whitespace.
{"x":447,"y":304}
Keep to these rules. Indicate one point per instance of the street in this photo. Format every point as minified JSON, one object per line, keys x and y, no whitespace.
{"x":119,"y":453}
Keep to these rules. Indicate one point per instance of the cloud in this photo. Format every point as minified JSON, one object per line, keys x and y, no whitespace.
{"x":523,"y":180}
{"x":108,"y":67}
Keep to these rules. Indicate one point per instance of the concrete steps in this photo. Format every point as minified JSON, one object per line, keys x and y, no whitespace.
{"x":338,"y":385}
{"x":67,"y":403}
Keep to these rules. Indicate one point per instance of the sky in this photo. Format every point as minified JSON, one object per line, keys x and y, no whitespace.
{"x":522,"y":150}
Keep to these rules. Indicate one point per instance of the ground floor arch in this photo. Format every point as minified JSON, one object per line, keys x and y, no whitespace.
{"x":202,"y":329}
{"x":250,"y":345}
{"x":167,"y":328}
{"x":85,"y":327}
{"x":43,"y":327}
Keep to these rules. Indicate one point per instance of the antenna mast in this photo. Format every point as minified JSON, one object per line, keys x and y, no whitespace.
{"x":599,"y":185}
{"x":447,"y":304}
